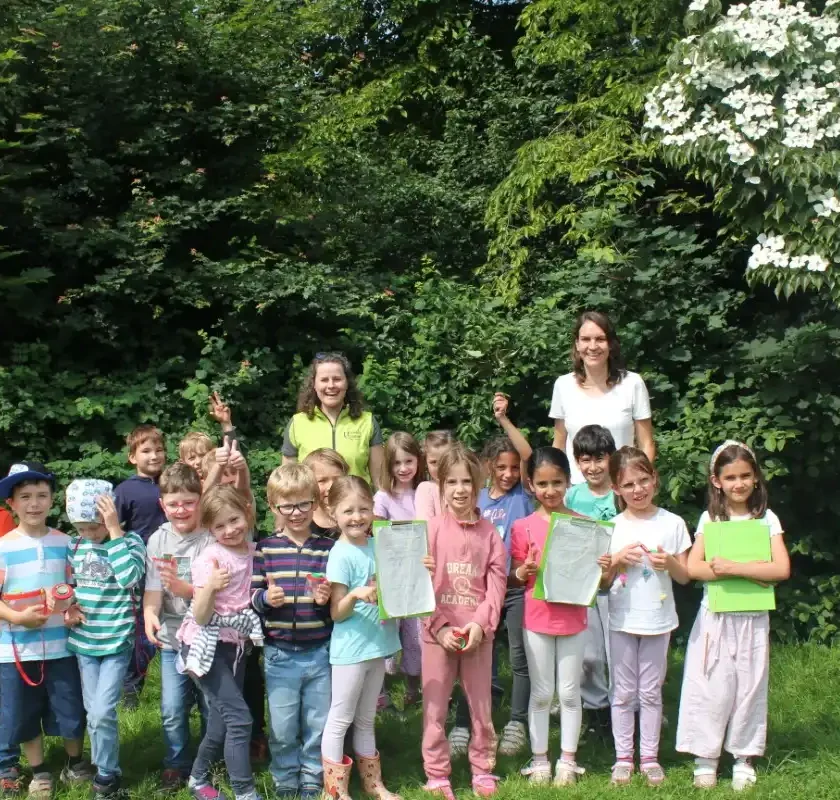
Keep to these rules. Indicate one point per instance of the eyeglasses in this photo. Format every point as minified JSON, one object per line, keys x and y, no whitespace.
{"x":287,"y":509}
{"x":188,"y":506}
{"x":644,"y":483}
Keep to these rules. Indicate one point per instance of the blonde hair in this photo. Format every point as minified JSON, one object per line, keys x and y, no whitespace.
{"x":179,"y":477}
{"x":328,"y":457}
{"x":291,"y":479}
{"x":456,"y":454}
{"x":629,"y":458}
{"x":217,"y":498}
{"x":142,"y":434}
{"x":196,"y":443}
{"x":347,"y":485}
{"x":400,"y":440}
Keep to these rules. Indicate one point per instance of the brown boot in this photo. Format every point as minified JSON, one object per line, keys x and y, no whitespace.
{"x":371,"y":771}
{"x":337,"y":778}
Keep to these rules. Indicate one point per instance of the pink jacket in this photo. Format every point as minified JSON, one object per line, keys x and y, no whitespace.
{"x":470,"y":575}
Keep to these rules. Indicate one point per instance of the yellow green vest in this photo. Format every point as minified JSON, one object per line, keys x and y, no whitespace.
{"x":350,"y":437}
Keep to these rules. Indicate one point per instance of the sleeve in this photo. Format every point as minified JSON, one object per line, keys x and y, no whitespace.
{"x":424,"y":501}
{"x":774,"y":523}
{"x":557,"y":411}
{"x":124,"y":510}
{"x":376,"y":432}
{"x":380,"y":505}
{"x":641,"y":399}
{"x":289,"y":448}
{"x":339,"y":569}
{"x":682,"y":541}
{"x":518,"y":542}
{"x":258,"y":583}
{"x":704,"y":518}
{"x":127,"y":557}
{"x":439,"y":619}
{"x":489,"y":611}
{"x":152,"y":574}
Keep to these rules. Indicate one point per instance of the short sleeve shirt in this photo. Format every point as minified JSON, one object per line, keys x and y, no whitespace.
{"x":616,"y":410}
{"x":361,"y":636}
{"x":398,"y":506}
{"x":642,"y":598}
{"x":502,"y":512}
{"x":581,"y":499}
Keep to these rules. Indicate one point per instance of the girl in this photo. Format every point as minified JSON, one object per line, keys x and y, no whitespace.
{"x":554,"y":632}
{"x":221,"y":578}
{"x":327,"y":465}
{"x":649,"y":549}
{"x":427,"y":496}
{"x":404,"y":466}
{"x":724,"y":693}
{"x":469,"y":581}
{"x":359,"y":646}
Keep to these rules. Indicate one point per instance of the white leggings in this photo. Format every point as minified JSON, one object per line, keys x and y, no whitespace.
{"x":355,"y":690}
{"x":554,"y":662}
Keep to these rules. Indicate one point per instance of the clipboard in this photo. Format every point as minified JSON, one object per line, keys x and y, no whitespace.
{"x":402,"y":596}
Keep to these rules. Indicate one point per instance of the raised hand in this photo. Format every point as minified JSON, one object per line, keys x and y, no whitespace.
{"x":110,"y":518}
{"x":274,"y":595}
{"x":500,"y":405}
{"x":219,"y":410}
{"x":219,"y":577}
{"x":223,"y":453}
{"x":236,"y":460}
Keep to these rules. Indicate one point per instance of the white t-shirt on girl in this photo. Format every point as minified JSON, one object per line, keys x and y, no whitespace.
{"x":617,"y":410}
{"x":769,"y":519}
{"x":642,"y":598}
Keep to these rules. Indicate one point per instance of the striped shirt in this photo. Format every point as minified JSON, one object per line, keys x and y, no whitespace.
{"x":300,"y":622}
{"x":29,"y":567}
{"x":105,"y":574}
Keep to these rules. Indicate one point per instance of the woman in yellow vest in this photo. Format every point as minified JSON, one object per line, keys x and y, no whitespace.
{"x":331,"y":414}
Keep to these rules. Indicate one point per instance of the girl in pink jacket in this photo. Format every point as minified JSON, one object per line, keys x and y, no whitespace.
{"x":469,"y":581}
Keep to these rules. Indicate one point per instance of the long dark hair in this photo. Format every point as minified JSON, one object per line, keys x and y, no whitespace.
{"x":728,"y":453}
{"x":615,"y":363}
{"x":552,"y":456}
{"x":308,"y":398}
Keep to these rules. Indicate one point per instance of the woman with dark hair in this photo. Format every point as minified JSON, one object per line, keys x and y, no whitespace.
{"x":331,"y":414}
{"x":600,"y":391}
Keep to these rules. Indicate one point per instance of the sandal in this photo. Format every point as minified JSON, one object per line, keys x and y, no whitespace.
{"x":622,"y":773}
{"x":653,"y":772}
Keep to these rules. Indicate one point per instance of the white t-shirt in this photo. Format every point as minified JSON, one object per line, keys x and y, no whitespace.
{"x":642,"y":598}
{"x":616,"y":410}
{"x":769,"y":519}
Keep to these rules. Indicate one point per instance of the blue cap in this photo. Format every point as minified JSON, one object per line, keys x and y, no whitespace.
{"x":25,"y":471}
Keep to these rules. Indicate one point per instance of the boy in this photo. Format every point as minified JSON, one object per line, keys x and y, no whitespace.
{"x":36,"y":694}
{"x":295,"y":610}
{"x":192,"y":449}
{"x":170,"y":553}
{"x":106,"y":564}
{"x":138,"y":506}
{"x":592,"y":447}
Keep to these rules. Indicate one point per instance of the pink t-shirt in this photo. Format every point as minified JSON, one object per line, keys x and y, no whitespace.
{"x":236,"y":597}
{"x":427,"y":501}
{"x":398,"y":507}
{"x":553,"y":619}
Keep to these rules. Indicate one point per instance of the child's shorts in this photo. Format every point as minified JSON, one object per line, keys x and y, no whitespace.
{"x":54,"y":707}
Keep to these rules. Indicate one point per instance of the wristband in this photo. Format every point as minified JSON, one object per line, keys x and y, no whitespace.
{"x":518,"y":576}
{"x":265,"y":596}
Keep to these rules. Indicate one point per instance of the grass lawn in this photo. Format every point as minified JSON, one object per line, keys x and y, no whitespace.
{"x":803,"y":759}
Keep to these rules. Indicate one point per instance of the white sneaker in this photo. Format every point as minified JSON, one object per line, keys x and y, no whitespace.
{"x":538,"y":773}
{"x":514,"y":739}
{"x":743,"y":776}
{"x":566,"y":773}
{"x":459,"y":741}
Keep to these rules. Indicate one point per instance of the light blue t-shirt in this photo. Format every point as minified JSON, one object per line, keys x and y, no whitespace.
{"x":361,"y":636}
{"x":503,"y":511}
{"x":581,"y":499}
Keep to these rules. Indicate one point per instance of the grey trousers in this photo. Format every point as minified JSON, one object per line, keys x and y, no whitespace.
{"x":595,"y":682}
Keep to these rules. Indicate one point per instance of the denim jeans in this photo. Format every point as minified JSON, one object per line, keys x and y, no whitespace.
{"x":102,"y":681}
{"x":298,"y":683}
{"x":178,"y":694}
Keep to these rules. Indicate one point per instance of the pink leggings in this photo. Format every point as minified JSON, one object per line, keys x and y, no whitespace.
{"x":639,"y":664}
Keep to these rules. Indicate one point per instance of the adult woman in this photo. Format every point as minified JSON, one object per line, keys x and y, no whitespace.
{"x":331,"y":414}
{"x":600,"y":391}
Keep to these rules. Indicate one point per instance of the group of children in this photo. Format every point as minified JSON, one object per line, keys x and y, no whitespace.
{"x":170,"y":561}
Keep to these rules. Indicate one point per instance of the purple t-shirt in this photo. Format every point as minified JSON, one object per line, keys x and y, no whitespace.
{"x":397,"y":507}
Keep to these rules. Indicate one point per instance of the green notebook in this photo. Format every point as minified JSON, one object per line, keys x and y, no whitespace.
{"x":746,"y":540}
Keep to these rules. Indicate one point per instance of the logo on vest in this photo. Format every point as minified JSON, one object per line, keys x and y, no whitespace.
{"x":355,"y":436}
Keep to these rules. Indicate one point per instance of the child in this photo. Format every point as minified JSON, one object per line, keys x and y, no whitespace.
{"x":138,"y":505}
{"x":221,"y":577}
{"x":469,"y":581}
{"x":193,"y":448}
{"x":39,"y":678}
{"x":359,"y":646}
{"x":554,"y":632}
{"x":649,"y":550}
{"x":106,"y":564}
{"x":327,"y":465}
{"x":592,"y":447}
{"x":724,"y":693}
{"x":170,"y":554}
{"x":427,"y":496}
{"x":297,"y":622}
{"x":403,"y":467}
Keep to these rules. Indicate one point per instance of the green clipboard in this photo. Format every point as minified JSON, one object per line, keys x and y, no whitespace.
{"x":596,"y":529}
{"x":384,"y":587}
{"x":742,"y":541}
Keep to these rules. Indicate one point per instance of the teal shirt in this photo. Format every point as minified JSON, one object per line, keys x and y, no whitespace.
{"x":361,"y":636}
{"x":580,"y":498}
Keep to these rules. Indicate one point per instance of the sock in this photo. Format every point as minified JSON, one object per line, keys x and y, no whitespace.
{"x":742,"y":761}
{"x":649,"y":759}
{"x":541,"y":758}
{"x":706,"y":763}
{"x":568,"y":758}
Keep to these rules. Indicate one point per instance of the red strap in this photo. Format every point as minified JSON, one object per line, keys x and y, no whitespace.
{"x":18,"y":663}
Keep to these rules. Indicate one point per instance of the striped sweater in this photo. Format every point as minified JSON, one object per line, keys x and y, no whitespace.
{"x":299,"y":623}
{"x":105,"y":575}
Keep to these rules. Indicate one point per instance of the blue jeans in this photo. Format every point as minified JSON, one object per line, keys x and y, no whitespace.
{"x":298,"y":684}
{"x":102,"y":680}
{"x":178,"y":694}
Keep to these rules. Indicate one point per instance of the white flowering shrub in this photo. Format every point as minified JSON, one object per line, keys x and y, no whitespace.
{"x":752,"y":107}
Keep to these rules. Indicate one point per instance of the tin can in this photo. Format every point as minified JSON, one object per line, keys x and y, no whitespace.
{"x":62,"y":597}
{"x":313,"y":581}
{"x":460,"y":639}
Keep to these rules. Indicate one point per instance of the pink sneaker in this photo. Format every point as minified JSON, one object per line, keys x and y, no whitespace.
{"x":440,"y":786}
{"x":485,"y":785}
